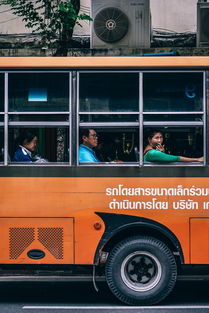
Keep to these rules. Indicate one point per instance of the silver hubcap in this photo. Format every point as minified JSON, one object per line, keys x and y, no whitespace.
{"x":141,"y":271}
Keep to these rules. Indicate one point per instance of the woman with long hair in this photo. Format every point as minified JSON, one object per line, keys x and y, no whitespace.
{"x":155,"y":150}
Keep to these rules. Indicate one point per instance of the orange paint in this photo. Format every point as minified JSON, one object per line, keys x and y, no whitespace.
{"x":125,"y":62}
{"x":60,"y":201}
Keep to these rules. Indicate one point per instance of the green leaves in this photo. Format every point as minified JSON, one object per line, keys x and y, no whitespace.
{"x":52,"y":19}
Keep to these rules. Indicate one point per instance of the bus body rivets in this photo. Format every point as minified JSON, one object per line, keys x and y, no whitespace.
{"x":97,"y":226}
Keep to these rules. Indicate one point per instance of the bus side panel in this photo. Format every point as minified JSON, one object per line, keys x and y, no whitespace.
{"x":170,"y":201}
{"x":199,"y":244}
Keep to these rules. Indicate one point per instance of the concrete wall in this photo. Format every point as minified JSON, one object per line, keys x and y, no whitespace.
{"x":85,"y":29}
{"x":174,"y":15}
{"x":9,"y":23}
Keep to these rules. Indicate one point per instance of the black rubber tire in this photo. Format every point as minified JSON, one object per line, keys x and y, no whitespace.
{"x":141,"y":271}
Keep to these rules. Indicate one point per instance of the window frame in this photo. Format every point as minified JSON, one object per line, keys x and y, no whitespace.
{"x":180,"y":123}
{"x":105,"y":124}
{"x":31,"y":123}
{"x":141,"y":123}
{"x":74,"y":113}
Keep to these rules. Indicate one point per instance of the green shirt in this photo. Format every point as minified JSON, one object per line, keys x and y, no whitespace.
{"x":158,"y":156}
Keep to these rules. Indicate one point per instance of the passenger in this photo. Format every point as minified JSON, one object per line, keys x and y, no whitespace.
{"x":89,"y":139}
{"x":155,"y":151}
{"x":27,"y":146}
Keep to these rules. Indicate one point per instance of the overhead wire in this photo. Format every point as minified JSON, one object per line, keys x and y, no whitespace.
{"x":11,"y":19}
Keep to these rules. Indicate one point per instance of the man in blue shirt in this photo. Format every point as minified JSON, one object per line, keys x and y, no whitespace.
{"x":89,"y":141}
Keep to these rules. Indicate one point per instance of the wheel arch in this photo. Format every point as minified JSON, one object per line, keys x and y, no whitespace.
{"x":120,"y":226}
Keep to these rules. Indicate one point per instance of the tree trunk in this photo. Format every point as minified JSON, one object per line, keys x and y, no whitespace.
{"x":76,"y":4}
{"x":66,"y":36}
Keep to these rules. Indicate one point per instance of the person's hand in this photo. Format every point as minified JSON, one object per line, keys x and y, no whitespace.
{"x":200,"y":159}
{"x":160,"y":147}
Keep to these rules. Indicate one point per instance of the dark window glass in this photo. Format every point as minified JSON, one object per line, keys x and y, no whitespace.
{"x":39,"y":92}
{"x":173,"y":92}
{"x":109,"y":92}
{"x":183,"y":141}
{"x":109,"y":118}
{"x":173,"y":117}
{"x":1,"y":117}
{"x":39,"y":117}
{"x":52,"y":144}
{"x":1,"y":92}
{"x":118,"y":144}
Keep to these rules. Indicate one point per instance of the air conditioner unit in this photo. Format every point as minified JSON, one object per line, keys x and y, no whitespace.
{"x":120,"y":23}
{"x":202,"y":24}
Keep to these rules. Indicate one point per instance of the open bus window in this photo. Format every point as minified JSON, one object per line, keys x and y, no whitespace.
{"x":177,"y":141}
{"x":33,"y":92}
{"x":109,"y":92}
{"x":51,"y":144}
{"x":165,"y":92}
{"x":110,"y":145}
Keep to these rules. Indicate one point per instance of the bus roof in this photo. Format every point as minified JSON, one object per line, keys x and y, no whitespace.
{"x":99,"y":62}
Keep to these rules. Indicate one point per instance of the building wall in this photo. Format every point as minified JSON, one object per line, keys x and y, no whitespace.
{"x":172,"y":15}
{"x":85,"y":29}
{"x":9,"y":23}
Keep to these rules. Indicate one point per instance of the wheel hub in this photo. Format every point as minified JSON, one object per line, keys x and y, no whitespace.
{"x":141,"y":271}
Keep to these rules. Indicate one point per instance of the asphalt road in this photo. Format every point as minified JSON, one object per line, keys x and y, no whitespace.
{"x":48,"y":297}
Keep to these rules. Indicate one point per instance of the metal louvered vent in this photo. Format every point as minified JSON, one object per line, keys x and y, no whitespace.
{"x":52,"y":240}
{"x":111,"y":24}
{"x":19,"y":240}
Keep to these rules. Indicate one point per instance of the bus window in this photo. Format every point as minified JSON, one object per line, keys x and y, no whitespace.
{"x":32,"y":92}
{"x":52,"y":144}
{"x":109,"y":118}
{"x":43,"y":118}
{"x":116,"y":145}
{"x":178,"y":92}
{"x":173,"y":118}
{"x":109,"y":104}
{"x":39,"y":102}
{"x":177,"y":141}
{"x":109,"y":92}
{"x":173,"y":103}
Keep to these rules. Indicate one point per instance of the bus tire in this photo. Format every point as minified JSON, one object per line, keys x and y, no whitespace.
{"x":141,"y":271}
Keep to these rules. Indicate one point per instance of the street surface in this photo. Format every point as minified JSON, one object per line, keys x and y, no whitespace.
{"x":48,"y":297}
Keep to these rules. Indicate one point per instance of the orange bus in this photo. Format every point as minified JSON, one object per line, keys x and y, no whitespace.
{"x":137,"y":221}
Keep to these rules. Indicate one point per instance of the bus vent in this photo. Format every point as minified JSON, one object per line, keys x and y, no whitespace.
{"x":19,"y":240}
{"x":52,"y":240}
